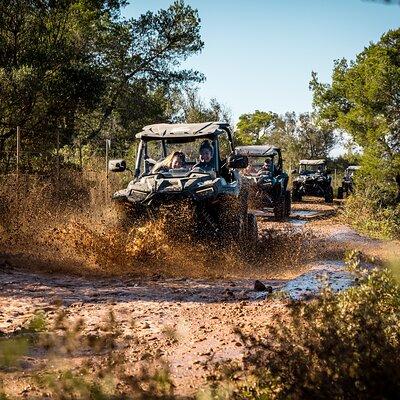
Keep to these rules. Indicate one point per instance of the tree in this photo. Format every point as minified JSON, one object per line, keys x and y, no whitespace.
{"x":364,"y":100}
{"x":251,"y":128}
{"x":76,"y":70}
{"x":298,"y":136}
{"x":316,"y":138}
{"x":193,"y":109}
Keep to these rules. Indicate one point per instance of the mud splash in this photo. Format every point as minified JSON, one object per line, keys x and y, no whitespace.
{"x":45,"y":230}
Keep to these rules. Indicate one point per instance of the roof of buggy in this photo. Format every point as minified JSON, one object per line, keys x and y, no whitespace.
{"x":257,"y":150}
{"x":312,"y":162}
{"x":183,"y":131}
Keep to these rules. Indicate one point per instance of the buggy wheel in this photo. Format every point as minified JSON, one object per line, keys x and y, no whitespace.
{"x":252,"y":229}
{"x":329,"y":195}
{"x":296,"y":196}
{"x":340,"y":192}
{"x":279,"y":208}
{"x":288,"y":203}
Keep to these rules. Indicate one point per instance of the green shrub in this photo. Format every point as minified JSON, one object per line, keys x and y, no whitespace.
{"x":365,"y":212}
{"x":339,"y":346}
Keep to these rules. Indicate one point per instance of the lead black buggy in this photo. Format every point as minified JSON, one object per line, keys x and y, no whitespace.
{"x":269,"y":183}
{"x":217,"y":197}
{"x":313,"y":180}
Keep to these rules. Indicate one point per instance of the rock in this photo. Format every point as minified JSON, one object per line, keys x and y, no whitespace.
{"x":259,"y":286}
{"x":269,"y":289}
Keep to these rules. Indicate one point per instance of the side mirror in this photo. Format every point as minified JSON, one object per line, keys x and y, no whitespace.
{"x":117,"y":165}
{"x":237,"y":161}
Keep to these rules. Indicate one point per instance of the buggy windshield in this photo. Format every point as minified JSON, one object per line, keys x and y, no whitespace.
{"x":261,"y":165}
{"x":175,"y":157}
{"x":311,"y":168}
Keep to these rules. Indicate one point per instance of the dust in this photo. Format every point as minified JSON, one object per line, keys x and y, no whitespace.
{"x":68,"y":226}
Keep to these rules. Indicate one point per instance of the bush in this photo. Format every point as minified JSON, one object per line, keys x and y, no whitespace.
{"x":366,"y":213}
{"x":344,"y":346}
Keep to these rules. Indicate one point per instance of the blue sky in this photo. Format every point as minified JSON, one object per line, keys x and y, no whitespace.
{"x":259,"y":54}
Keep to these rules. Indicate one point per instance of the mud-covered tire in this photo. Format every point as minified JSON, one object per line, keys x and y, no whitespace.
{"x":288,"y":203}
{"x":232,"y":217}
{"x":252,"y":229}
{"x":280,"y":208}
{"x":329,"y":195}
{"x":296,"y":196}
{"x":340,"y":193}
{"x":127,"y":217}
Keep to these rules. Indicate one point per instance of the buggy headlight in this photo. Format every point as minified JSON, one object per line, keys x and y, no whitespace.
{"x":173,"y":188}
{"x":205,"y":191}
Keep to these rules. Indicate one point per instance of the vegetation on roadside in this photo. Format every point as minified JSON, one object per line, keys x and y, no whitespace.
{"x":363,"y":101}
{"x":338,"y":346}
{"x":299,"y":136}
{"x":106,"y":372}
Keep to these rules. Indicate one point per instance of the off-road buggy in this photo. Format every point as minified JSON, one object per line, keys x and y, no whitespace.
{"x":268,"y":180}
{"x":216,"y":196}
{"x":347,"y":181}
{"x":313,"y":180}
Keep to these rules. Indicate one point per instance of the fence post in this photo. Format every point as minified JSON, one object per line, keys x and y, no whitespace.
{"x":58,"y":154}
{"x":18,"y":148}
{"x":108,"y":146}
{"x":335,"y":184}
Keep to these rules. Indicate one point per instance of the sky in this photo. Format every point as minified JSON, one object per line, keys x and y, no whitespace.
{"x":259,"y":54}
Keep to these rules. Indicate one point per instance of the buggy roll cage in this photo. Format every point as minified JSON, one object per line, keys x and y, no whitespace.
{"x":182,"y":133}
{"x":261,"y":151}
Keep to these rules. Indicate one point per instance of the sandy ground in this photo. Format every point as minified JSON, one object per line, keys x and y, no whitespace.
{"x":202,"y":313}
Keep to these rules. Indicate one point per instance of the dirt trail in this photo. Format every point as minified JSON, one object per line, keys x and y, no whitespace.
{"x":202,"y":312}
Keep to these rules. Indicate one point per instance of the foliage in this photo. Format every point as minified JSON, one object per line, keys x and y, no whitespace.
{"x":299,"y":136}
{"x":363,"y":99}
{"x":339,"y":346}
{"x":368,"y":212}
{"x":106,"y":375}
{"x":252,"y":127}
{"x":75,"y":71}
{"x":193,"y":109}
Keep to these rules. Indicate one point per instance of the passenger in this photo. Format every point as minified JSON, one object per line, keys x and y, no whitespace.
{"x":178,"y":160}
{"x":250,"y":169}
{"x":206,"y":156}
{"x":174,"y":160}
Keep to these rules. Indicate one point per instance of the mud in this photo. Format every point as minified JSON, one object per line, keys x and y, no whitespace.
{"x":154,"y":286}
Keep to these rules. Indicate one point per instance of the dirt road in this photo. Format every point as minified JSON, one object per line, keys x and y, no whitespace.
{"x":200,"y":314}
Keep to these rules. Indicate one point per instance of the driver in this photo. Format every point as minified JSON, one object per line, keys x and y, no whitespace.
{"x":206,"y":156}
{"x":268,"y":166}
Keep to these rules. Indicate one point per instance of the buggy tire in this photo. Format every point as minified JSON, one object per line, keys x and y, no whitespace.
{"x":280,"y":208}
{"x":340,"y":192}
{"x":296,"y":196}
{"x":288,"y":203}
{"x":252,"y":229}
{"x":329,"y":195}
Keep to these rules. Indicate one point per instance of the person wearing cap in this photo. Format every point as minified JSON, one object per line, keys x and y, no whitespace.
{"x":206,"y":156}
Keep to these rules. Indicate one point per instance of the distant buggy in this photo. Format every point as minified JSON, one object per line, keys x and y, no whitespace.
{"x":347,"y":182}
{"x":313,"y":180}
{"x":267,"y":179}
{"x":211,"y":187}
